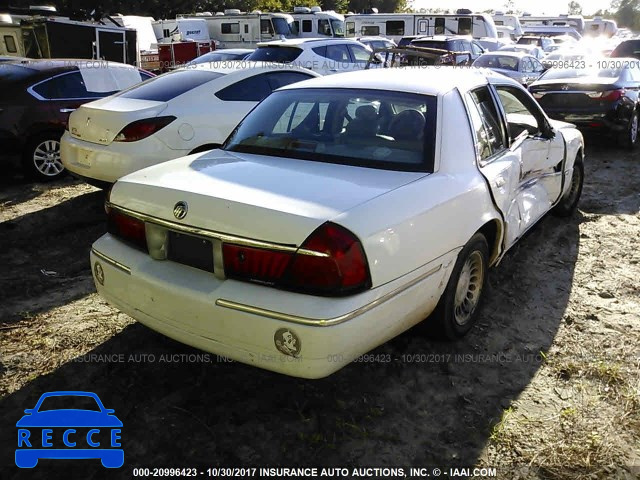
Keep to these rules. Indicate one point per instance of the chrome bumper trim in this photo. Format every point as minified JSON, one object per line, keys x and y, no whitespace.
{"x":111,"y":261}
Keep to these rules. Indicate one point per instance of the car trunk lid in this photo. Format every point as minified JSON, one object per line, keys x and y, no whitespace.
{"x":100,"y":121}
{"x":271,"y":199}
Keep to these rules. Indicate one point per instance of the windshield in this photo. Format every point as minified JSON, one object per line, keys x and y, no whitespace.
{"x":282,"y":27}
{"x":561,"y":73}
{"x":69,"y":402}
{"x":338,"y":28}
{"x":368,"y":128}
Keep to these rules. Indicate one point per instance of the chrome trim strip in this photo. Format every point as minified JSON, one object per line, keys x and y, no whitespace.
{"x":324,"y":322}
{"x":111,"y":261}
{"x":223,"y":237}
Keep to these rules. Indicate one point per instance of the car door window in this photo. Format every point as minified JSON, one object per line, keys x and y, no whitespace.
{"x":338,"y":53}
{"x":489,"y":134}
{"x":69,"y":86}
{"x":527,"y":67}
{"x":476,"y":49}
{"x":359,"y":54}
{"x":252,"y":89}
{"x":523,"y":117}
{"x":280,"y":79}
{"x":537,"y":66}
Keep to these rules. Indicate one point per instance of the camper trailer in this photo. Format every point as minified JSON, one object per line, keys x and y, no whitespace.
{"x":315,"y":23}
{"x":233,"y":28}
{"x":398,"y":25}
{"x":575,"y":21}
{"x":598,"y":26}
{"x":508,"y":20}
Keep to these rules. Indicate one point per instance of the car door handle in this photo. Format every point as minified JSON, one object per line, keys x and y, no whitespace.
{"x":67,"y":110}
{"x":499,"y":182}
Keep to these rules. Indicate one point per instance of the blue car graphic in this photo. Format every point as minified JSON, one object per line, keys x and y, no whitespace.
{"x":67,"y":432}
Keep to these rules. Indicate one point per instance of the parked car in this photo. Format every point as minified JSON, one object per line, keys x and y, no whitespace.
{"x":186,"y":111}
{"x":469,"y":48}
{"x":342,"y":211}
{"x":536,"y":40}
{"x":377,"y":42}
{"x":224,"y":55}
{"x":627,"y":48}
{"x":325,"y":56}
{"x":603,"y":97}
{"x":532,"y":50}
{"x":38,"y":97}
{"x":521,"y":67}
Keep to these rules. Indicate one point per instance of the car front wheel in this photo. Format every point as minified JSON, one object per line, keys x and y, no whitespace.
{"x":458,"y":307}
{"x":41,"y":159}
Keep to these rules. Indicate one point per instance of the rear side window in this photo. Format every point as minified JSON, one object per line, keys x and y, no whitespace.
{"x":170,"y":85}
{"x":252,"y":89}
{"x":66,"y":86}
{"x":280,"y":79}
{"x":275,"y":54}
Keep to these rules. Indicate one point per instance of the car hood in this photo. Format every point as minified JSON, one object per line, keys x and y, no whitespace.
{"x":267,"y":198}
{"x":69,"y":418}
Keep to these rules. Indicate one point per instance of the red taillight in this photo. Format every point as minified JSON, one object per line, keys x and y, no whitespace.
{"x":341,"y":269}
{"x":613,"y":95}
{"x":126,"y":228}
{"x":142,"y":128}
{"x":331,"y":262}
{"x":254,"y":264}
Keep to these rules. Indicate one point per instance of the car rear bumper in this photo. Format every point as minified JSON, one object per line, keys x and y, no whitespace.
{"x":244,"y":321}
{"x":108,"y":163}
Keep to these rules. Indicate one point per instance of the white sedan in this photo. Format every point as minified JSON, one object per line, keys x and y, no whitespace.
{"x":185,"y":111}
{"x":342,"y":211}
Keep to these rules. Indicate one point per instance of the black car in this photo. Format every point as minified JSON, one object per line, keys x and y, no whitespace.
{"x":37,"y":98}
{"x":604,"y":97}
{"x":455,"y":43}
{"x":628,"y":48}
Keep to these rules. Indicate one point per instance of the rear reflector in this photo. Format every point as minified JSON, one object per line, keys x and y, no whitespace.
{"x":141,"y":129}
{"x":126,"y":228}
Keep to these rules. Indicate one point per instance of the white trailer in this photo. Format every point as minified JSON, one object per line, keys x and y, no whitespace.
{"x":598,"y":26}
{"x":508,"y":20}
{"x":398,"y":25}
{"x":315,"y":23}
{"x":575,"y":21}
{"x":233,"y":28}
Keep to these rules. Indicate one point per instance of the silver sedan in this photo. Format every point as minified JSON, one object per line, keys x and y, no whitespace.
{"x":520,"y":66}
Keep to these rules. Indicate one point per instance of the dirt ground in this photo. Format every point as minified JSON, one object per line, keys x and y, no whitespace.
{"x":547,"y":386}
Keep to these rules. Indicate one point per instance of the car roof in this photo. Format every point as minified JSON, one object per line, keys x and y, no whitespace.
{"x":422,"y":80}
{"x":303,"y":41}
{"x":444,"y":38}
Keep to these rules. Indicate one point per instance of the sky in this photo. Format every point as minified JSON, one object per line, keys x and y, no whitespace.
{"x":537,"y":7}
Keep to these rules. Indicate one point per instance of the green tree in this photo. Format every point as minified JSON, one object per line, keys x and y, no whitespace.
{"x":574,"y":8}
{"x":627,"y":13}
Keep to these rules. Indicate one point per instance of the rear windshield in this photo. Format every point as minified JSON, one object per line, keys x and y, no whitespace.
{"x":528,"y":41}
{"x":10,"y":72}
{"x":69,"y":402}
{"x":429,"y":44}
{"x":168,"y":86}
{"x":504,"y":62}
{"x":275,"y":54}
{"x":218,"y":57}
{"x":367,"y":128}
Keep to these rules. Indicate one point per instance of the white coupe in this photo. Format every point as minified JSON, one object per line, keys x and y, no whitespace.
{"x":342,"y":211}
{"x":189,"y":110}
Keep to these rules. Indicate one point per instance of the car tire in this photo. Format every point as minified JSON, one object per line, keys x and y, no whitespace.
{"x":457,"y":309}
{"x":629,"y":138}
{"x":41,"y":158}
{"x":569,"y":201}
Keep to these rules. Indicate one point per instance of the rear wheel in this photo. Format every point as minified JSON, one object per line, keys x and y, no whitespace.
{"x":629,"y":138}
{"x":41,"y":158}
{"x":457,"y":310}
{"x":569,"y":201}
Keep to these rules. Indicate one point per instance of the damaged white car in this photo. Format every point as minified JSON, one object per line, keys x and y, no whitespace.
{"x":342,"y":211}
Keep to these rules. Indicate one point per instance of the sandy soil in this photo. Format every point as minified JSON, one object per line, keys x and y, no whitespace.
{"x":545,"y":387}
